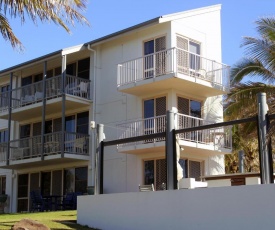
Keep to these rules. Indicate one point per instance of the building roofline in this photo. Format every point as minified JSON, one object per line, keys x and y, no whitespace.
{"x":41,"y":58}
{"x":140,"y":25}
{"x":160,"y":19}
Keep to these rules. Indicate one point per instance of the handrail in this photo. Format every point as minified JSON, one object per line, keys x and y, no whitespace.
{"x":173,"y":60}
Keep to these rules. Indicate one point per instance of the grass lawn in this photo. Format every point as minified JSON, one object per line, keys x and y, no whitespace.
{"x":54,"y":220}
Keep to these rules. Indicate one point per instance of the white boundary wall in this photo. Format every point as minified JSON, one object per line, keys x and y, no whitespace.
{"x":238,"y":207}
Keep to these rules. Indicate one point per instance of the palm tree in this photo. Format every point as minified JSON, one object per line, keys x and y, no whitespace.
{"x":61,"y":12}
{"x":241,"y":102}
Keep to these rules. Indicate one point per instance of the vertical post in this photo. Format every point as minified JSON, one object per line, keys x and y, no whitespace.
{"x":63,"y":135}
{"x":241,"y":163}
{"x":43,"y":110}
{"x":99,"y":160}
{"x":262,"y":131}
{"x":270,"y":157}
{"x":9,"y":121}
{"x":171,"y":155}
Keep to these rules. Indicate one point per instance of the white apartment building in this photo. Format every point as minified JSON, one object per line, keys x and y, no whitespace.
{"x":126,"y":81}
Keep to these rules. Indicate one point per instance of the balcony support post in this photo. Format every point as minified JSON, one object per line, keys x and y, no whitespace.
{"x":266,"y":162}
{"x":43,"y":111}
{"x":99,"y":160}
{"x":9,"y":121}
{"x":64,"y":60}
{"x":171,"y":154}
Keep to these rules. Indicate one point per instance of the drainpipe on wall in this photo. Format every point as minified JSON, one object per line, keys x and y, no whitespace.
{"x":94,"y":116}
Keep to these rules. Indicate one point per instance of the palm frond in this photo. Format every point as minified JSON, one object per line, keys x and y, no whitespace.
{"x":266,"y":27}
{"x":252,"y":68}
{"x":61,"y":12}
{"x":8,"y":34}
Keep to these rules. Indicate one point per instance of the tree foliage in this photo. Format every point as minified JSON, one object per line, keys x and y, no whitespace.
{"x":241,"y":102}
{"x":61,"y":12}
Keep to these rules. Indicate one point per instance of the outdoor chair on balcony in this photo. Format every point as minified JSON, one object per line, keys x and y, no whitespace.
{"x":81,"y":89}
{"x":80,"y":144}
{"x":146,"y":188}
{"x":27,"y":99}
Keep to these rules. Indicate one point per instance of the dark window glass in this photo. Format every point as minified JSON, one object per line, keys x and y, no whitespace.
{"x":48,"y":126}
{"x":69,"y":178}
{"x":50,"y":73}
{"x":3,"y":136}
{"x":3,"y":185}
{"x":149,"y":172}
{"x":84,"y":68}
{"x":82,"y":123}
{"x":25,"y":131}
{"x":5,"y":95}
{"x":26,"y":81}
{"x":81,"y":175}
{"x":149,"y":47}
{"x":71,"y":69}
{"x":70,"y":124}
{"x":149,"y":108}
{"x":38,"y":77}
{"x":184,"y":164}
{"x":46,"y":183}
{"x":23,"y":181}
{"x":195,"y":109}
{"x":57,"y":71}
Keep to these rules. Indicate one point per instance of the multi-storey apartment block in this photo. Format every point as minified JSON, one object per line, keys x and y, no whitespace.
{"x":126,"y":81}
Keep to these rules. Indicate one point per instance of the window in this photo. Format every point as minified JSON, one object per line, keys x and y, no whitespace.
{"x":84,"y":68}
{"x":5,"y":95}
{"x":188,"y":54}
{"x":81,"y":175}
{"x":155,"y":171}
{"x":2,"y":184}
{"x":75,"y":180}
{"x":192,"y":109}
{"x":154,"y":60}
{"x":82,"y":124}
{"x":153,"y":109}
{"x":189,"y":107}
{"x":191,"y":169}
{"x":22,"y":191}
{"x":3,"y":136}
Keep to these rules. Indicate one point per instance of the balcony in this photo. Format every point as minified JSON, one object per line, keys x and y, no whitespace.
{"x":173,"y":69}
{"x":208,"y":142}
{"x":28,"y":151}
{"x":26,"y":101}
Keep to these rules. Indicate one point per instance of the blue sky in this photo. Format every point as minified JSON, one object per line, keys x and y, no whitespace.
{"x":107,"y":16}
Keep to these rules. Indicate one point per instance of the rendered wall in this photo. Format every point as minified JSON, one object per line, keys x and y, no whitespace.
{"x":227,"y":208}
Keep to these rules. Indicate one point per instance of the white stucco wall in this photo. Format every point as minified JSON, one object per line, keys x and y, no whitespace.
{"x":227,"y":208}
{"x":123,"y":172}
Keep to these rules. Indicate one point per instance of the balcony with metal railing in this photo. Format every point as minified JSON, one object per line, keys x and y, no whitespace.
{"x":28,"y":99}
{"x":57,"y":147}
{"x":173,"y":68}
{"x":213,"y":141}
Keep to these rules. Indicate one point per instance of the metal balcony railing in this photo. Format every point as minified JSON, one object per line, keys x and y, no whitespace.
{"x":218,"y":137}
{"x":33,"y":93}
{"x":74,"y":143}
{"x":173,"y":60}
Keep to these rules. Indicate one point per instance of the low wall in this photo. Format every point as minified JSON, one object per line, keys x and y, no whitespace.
{"x":237,"y":207}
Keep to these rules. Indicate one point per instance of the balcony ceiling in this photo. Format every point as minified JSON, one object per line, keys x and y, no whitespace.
{"x":48,"y":160}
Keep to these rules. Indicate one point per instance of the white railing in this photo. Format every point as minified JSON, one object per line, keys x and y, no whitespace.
{"x":219,"y":137}
{"x":33,"y":93}
{"x":74,"y":143}
{"x":142,"y":127}
{"x":173,"y":60}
